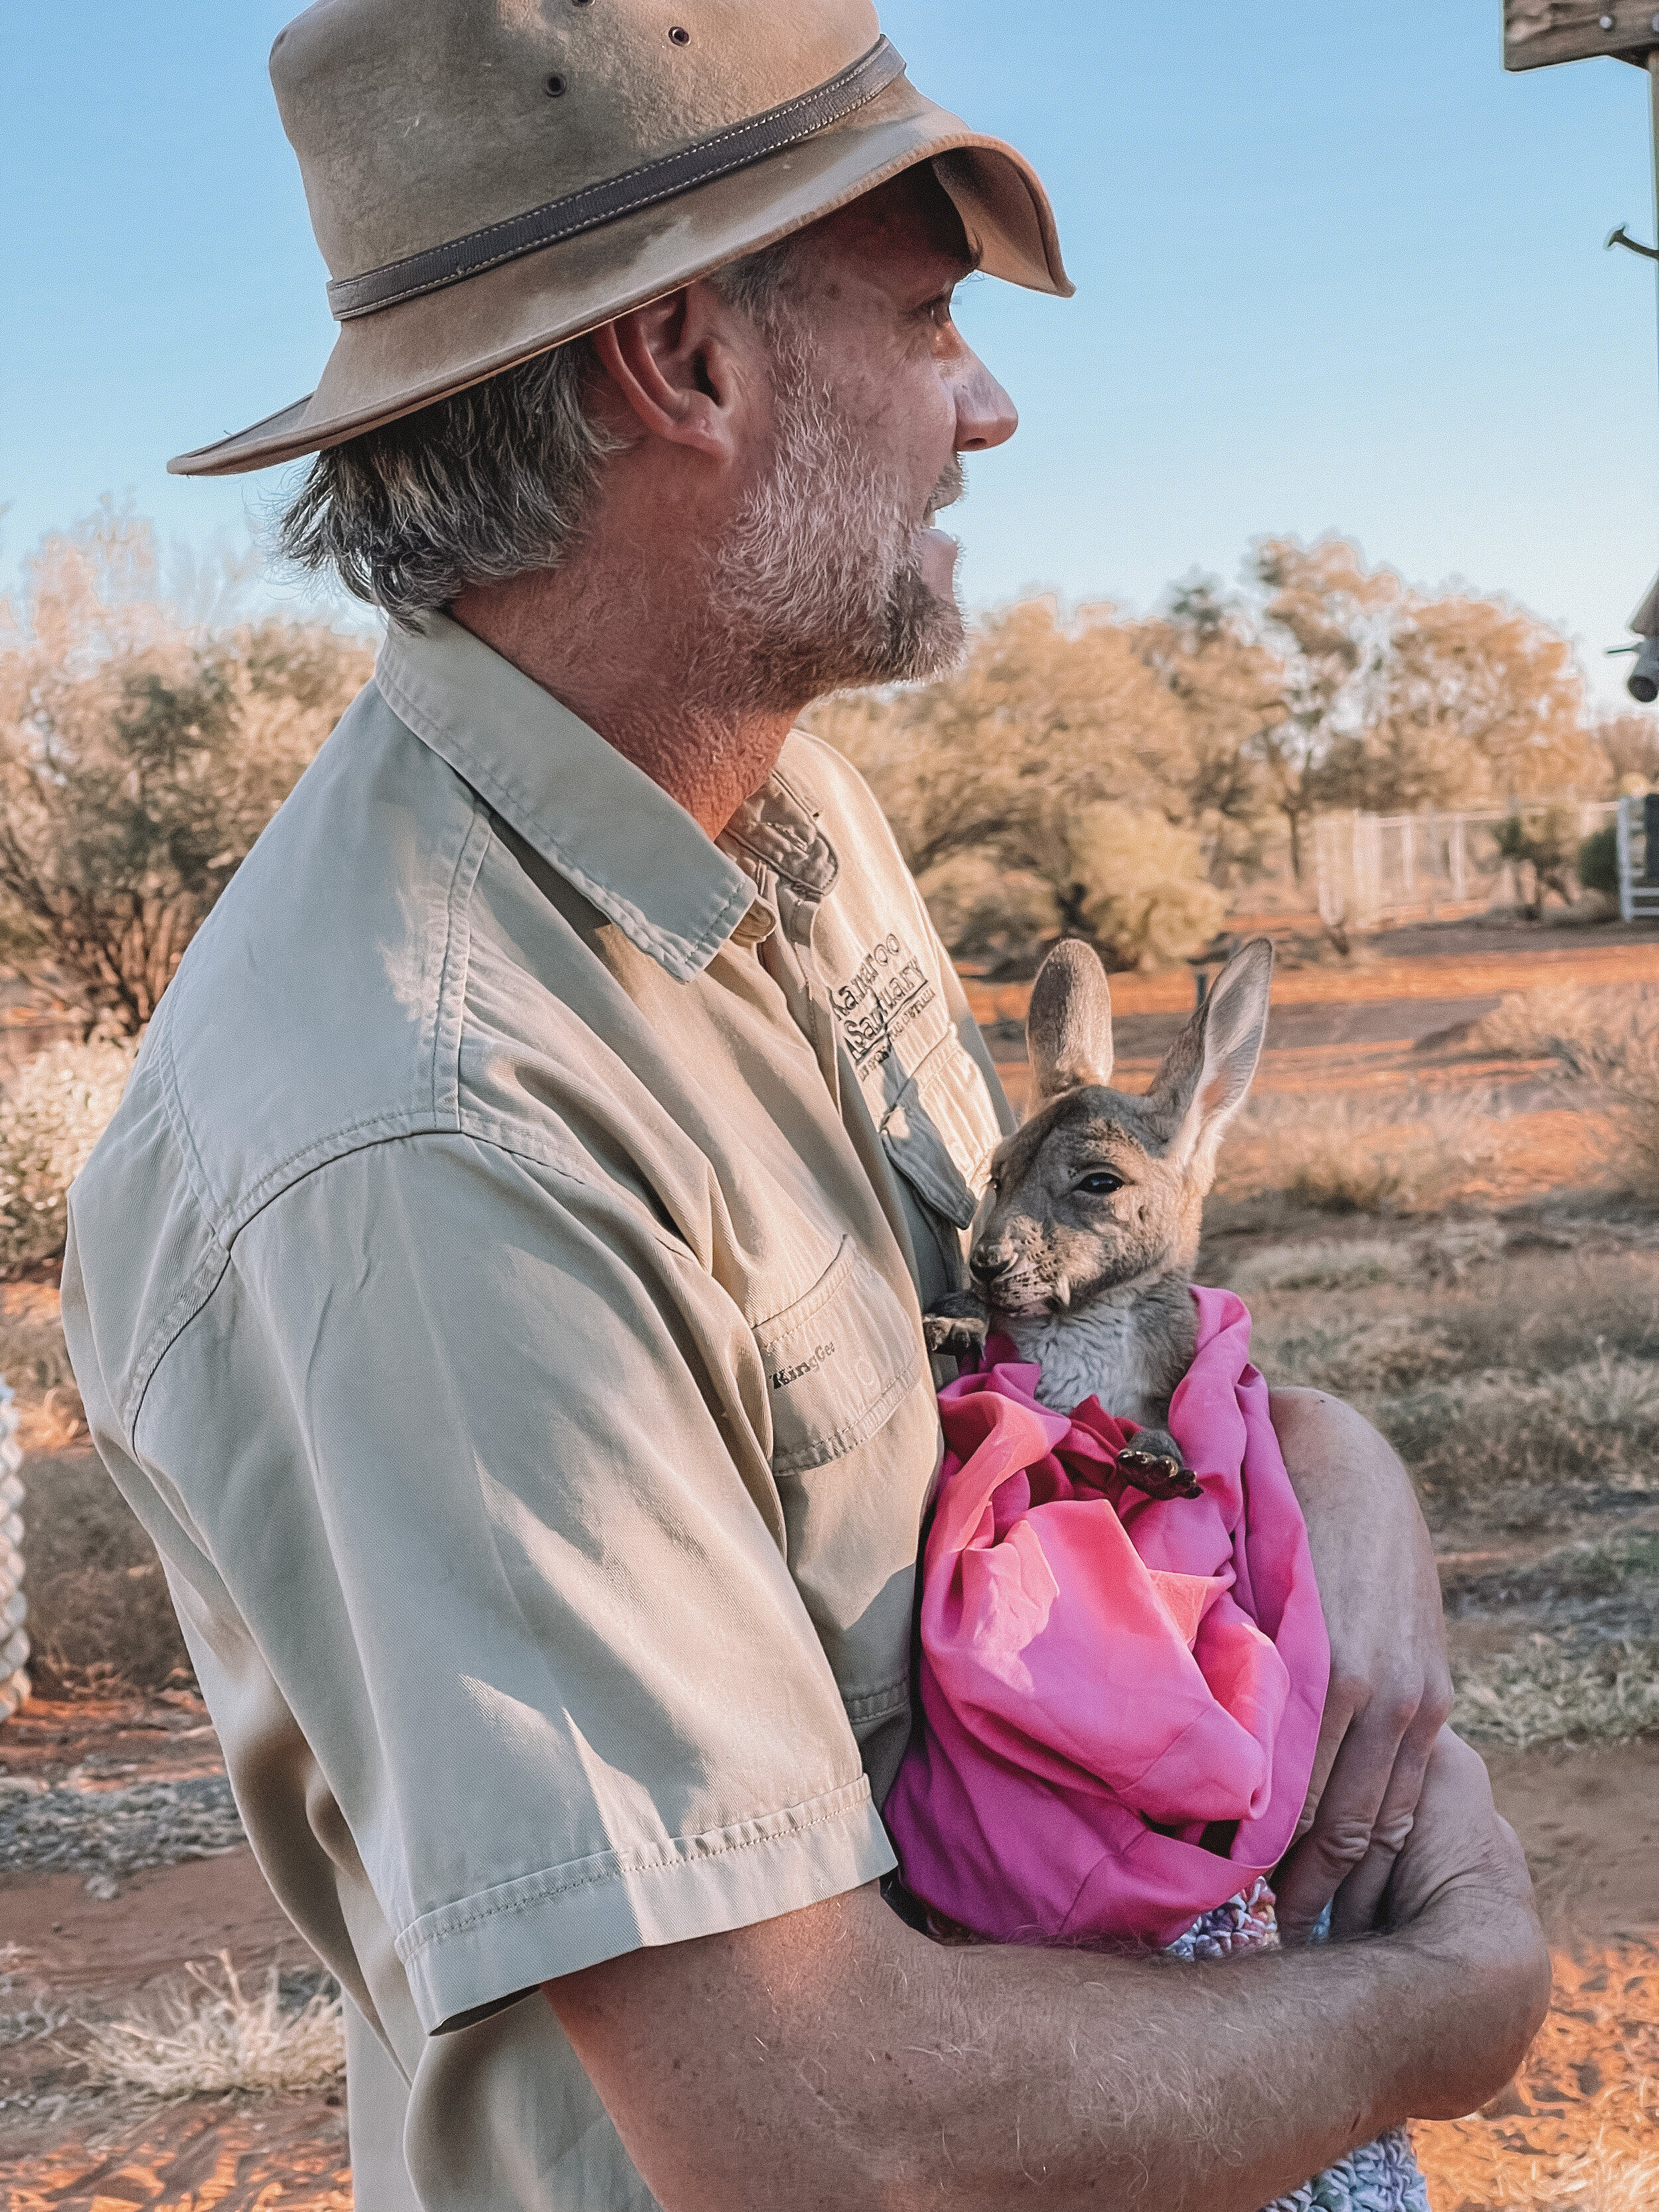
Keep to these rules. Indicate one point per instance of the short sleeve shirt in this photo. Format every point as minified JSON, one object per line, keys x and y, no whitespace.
{"x":499,"y":1295}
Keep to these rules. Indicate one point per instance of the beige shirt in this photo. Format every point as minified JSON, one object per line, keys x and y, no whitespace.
{"x":499,"y":1297}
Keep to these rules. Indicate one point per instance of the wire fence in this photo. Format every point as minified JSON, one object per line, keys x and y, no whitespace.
{"x":1374,"y":869}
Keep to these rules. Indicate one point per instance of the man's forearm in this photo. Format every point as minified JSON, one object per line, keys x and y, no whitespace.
{"x":832,"y":2058}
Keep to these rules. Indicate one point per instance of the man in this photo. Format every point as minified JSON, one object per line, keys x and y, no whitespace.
{"x":500,"y":1292}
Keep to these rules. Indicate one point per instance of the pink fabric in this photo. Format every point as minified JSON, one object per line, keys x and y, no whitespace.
{"x":1094,"y":1660}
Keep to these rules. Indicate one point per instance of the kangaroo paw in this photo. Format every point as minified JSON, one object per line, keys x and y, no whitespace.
{"x":1152,"y":1463}
{"x":956,"y":1327}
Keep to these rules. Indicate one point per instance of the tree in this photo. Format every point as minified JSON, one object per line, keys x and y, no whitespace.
{"x":1479,"y":702}
{"x":1629,"y":743}
{"x":1397,"y":699}
{"x":1046,"y":716}
{"x":983,"y":774}
{"x":1230,"y":687}
{"x":1331,"y":618}
{"x":138,"y":762}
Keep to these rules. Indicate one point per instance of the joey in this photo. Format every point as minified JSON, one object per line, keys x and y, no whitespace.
{"x":1091,"y":1225}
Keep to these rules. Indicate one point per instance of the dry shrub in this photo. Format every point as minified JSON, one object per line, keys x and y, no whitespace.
{"x":1322,"y":1266}
{"x":98,"y":1631}
{"x":1549,"y":1692}
{"x":99,"y":1615}
{"x":1144,"y":895}
{"x":1445,"y":1254}
{"x":140,"y":757}
{"x":985,"y":910}
{"x":1413,"y":1155}
{"x":1353,"y":1355}
{"x":1604,"y":1037}
{"x":1516,"y":1432}
{"x":1580,"y":1025}
{"x":203,"y":2040}
{"x":52,"y":1113}
{"x":33,"y":1356}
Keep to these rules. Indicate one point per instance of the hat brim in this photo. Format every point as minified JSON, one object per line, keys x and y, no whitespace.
{"x":405,"y":357}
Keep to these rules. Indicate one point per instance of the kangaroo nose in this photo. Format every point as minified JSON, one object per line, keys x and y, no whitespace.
{"x":988,"y":1263}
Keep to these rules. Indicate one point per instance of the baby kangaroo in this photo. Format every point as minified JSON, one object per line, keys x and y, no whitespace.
{"x":1091,"y":1223}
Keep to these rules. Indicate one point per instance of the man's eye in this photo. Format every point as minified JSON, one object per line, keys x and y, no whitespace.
{"x":1102,"y":1185}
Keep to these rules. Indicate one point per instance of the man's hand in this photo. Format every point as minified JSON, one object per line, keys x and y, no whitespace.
{"x":1460,"y":1888}
{"x":1390,"y":1689}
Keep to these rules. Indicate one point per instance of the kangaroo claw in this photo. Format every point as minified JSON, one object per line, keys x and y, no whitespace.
{"x":954,"y":1336}
{"x":1157,"y":1474}
{"x":958,"y":1327}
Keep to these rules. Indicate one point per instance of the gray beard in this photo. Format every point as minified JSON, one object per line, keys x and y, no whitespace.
{"x":818,"y":586}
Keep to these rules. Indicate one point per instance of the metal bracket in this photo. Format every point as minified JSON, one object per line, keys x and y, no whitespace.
{"x":1620,"y":237}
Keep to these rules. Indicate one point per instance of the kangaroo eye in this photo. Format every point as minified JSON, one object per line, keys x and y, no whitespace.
{"x":1101,"y":1184}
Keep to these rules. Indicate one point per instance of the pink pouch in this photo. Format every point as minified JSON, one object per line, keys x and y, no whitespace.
{"x":1119,"y":1697}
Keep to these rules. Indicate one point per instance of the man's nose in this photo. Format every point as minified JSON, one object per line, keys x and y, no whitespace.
{"x":985,"y":416}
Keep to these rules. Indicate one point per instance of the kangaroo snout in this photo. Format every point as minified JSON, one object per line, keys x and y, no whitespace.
{"x":990,"y":1259}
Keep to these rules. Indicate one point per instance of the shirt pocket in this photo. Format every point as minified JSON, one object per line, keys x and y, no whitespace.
{"x":940,"y":1131}
{"x":838,"y":1362}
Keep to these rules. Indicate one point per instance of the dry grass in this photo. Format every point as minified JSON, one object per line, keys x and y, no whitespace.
{"x":1549,"y":1692}
{"x":1420,"y":1154}
{"x":1513,"y":1430}
{"x":1579,"y":2130}
{"x":203,"y":2040}
{"x":1583,"y":1025}
{"x":1606,"y":1038}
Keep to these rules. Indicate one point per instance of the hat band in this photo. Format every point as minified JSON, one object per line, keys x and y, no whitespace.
{"x":744,"y":143}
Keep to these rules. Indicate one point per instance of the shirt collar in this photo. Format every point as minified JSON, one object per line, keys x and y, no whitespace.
{"x":602,"y":823}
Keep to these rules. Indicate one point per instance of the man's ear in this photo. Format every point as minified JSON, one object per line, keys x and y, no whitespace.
{"x":680,"y":369}
{"x":1068,"y":1025}
{"x":1209,"y":1067}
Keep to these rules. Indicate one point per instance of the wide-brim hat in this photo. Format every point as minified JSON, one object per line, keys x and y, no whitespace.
{"x":488,"y":178}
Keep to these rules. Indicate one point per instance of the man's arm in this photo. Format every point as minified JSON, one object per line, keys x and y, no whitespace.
{"x":1390,"y":1690}
{"x":832,"y":2060}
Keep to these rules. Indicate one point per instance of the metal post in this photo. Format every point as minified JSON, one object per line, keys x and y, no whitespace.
{"x":1626,"y":904}
{"x":1653,"y":89}
{"x":1458,"y":856}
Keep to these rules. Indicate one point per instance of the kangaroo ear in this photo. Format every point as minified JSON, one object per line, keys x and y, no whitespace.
{"x":1068,"y":1027}
{"x":1208,"y":1069}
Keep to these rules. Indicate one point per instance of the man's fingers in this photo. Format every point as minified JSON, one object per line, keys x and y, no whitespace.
{"x":1342,"y":1701}
{"x":1340,"y":1836}
{"x":1360,"y":1900}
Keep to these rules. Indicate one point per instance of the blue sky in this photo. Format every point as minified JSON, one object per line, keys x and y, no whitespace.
{"x":1335,"y":269}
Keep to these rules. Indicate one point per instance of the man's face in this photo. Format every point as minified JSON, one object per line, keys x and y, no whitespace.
{"x":830,"y":573}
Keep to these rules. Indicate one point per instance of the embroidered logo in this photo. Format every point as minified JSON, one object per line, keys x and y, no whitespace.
{"x":783,"y":1377}
{"x":888,"y":991}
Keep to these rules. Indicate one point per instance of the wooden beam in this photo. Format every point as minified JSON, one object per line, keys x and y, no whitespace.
{"x":1536,"y":32}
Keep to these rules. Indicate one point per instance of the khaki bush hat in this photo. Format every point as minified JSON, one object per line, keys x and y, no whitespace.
{"x":490,"y":178}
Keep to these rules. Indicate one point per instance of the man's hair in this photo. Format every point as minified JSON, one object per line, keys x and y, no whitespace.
{"x":483,"y":486}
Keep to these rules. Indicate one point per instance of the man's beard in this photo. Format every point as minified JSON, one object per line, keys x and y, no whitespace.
{"x":818,"y":586}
